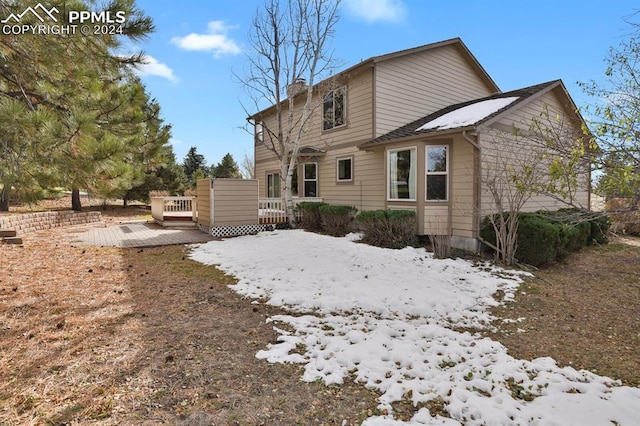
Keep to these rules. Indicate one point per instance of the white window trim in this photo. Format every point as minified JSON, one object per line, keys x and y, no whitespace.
{"x":305,"y":180}
{"x":276,"y":177}
{"x":338,"y":169}
{"x":415,"y":183}
{"x":428,"y":173}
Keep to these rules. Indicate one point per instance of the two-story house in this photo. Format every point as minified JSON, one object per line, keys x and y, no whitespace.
{"x":414,"y":130}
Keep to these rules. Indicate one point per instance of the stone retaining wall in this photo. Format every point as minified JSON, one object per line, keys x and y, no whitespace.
{"x":29,"y":222}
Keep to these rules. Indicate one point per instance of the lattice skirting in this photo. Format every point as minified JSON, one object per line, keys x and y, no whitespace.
{"x":234,"y":231}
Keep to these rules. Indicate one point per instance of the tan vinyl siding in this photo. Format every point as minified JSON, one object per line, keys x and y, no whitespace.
{"x":366,"y":191}
{"x":521,"y":152}
{"x":235,"y":202}
{"x":368,"y":168}
{"x":203,"y":201}
{"x":416,"y":85}
{"x":462,"y":181}
{"x":436,"y":220}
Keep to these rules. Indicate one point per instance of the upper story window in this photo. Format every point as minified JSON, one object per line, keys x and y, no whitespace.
{"x":437,"y":173}
{"x":259,"y":132}
{"x":334,"y":109}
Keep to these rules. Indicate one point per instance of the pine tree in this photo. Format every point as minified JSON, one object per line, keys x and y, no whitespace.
{"x":74,"y":91}
{"x":226,"y":168}
{"x":195,"y":166}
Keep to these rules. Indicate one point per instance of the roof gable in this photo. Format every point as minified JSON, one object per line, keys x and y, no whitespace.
{"x":371,"y":62}
{"x":458,"y":44}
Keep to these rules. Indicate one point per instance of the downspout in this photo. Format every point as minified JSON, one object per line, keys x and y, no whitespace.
{"x":478,"y":191}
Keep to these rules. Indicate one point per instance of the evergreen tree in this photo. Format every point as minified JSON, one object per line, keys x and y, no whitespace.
{"x":226,"y":168}
{"x":156,"y":167}
{"x":79,"y":112}
{"x":195,"y":166}
{"x":169,"y":176}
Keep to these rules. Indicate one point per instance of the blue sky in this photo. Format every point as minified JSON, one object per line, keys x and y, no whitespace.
{"x":199,"y":44}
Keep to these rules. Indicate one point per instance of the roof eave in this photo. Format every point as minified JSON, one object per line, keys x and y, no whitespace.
{"x":367,"y":146}
{"x":354,"y":68}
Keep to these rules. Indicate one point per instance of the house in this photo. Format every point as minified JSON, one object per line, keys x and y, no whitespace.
{"x":418,"y":129}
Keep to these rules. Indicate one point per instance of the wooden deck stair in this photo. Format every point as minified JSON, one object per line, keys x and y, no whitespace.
{"x":9,"y":236}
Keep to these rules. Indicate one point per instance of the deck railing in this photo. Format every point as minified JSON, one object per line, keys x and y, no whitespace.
{"x":273,"y":211}
{"x":176,"y":208}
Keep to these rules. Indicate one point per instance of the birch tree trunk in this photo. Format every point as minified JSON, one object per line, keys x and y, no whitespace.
{"x":289,"y":46}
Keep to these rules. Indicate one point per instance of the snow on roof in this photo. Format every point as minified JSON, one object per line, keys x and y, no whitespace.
{"x":467,"y":115}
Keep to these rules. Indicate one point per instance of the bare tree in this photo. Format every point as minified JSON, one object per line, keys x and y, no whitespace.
{"x":548,"y":158}
{"x":289,"y":53}
{"x":248,"y":166}
{"x":614,"y":115}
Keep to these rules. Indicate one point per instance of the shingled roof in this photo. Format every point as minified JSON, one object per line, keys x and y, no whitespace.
{"x":422,"y":126}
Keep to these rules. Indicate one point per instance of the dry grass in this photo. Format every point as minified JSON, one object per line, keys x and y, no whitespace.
{"x":584,"y":312}
{"x":127,"y":336}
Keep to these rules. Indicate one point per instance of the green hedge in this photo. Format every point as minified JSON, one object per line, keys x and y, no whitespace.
{"x":388,"y":228}
{"x":544,"y":237}
{"x":310,"y":215}
{"x":336,"y":220}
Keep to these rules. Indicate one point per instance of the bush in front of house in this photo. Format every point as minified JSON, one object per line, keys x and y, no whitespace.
{"x":310,"y":220}
{"x":538,"y":240}
{"x":336,"y":220}
{"x":600,"y":229}
{"x":545,"y":237}
{"x":388,"y":228}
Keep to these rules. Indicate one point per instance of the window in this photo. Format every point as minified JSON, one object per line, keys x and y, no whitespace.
{"x":333,"y":109}
{"x":344,"y":171}
{"x":437,"y":173}
{"x":310,"y":180}
{"x":402,"y":174}
{"x":273,"y":185}
{"x":259,"y":132}
{"x":294,"y":181}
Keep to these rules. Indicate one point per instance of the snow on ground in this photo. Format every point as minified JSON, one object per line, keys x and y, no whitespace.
{"x":387,"y":318}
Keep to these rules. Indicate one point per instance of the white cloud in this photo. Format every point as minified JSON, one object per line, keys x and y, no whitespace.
{"x":377,"y":10}
{"x":151,"y":66}
{"x":215,"y":40}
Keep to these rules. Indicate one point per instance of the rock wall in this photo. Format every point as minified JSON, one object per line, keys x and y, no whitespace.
{"x":29,"y":222}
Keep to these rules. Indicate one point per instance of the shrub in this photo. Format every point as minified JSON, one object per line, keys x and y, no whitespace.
{"x":310,"y":215}
{"x":573,"y":237}
{"x":336,"y":219}
{"x":547,"y":236}
{"x":538,"y":240}
{"x":388,"y":228}
{"x":600,"y":229}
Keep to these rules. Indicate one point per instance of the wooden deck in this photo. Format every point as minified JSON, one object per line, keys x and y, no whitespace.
{"x":174,"y":211}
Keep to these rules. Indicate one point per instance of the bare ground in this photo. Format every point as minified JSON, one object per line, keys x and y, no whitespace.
{"x":584,"y":312}
{"x":127,"y":336}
